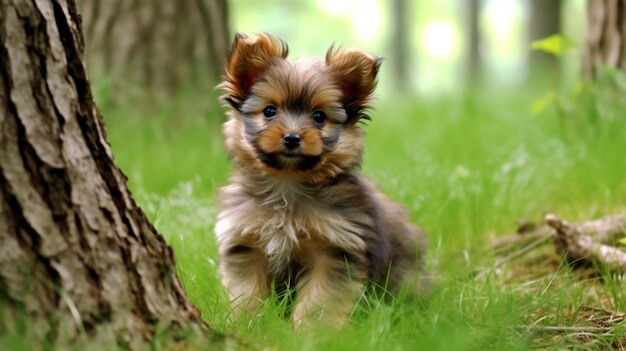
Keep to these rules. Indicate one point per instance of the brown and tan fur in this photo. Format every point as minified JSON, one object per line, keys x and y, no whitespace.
{"x":305,"y":216}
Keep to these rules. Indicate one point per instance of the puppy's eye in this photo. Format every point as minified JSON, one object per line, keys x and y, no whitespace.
{"x":319,"y":117}
{"x":269,"y":111}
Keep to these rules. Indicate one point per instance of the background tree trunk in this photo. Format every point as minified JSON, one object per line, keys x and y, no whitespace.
{"x":401,"y":13}
{"x":157,"y":45}
{"x":77,"y":256}
{"x":545,"y":20}
{"x":474,"y":59}
{"x":606,"y":36}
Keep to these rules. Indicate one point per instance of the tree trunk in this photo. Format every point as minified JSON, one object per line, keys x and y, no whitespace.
{"x":400,"y":44}
{"x":545,"y":20}
{"x":77,"y":256}
{"x":474,"y":60}
{"x":158,"y":45}
{"x":606,"y":36}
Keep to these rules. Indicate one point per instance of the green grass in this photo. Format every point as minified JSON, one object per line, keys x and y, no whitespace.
{"x":467,"y":168}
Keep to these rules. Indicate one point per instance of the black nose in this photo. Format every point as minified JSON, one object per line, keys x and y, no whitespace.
{"x":292,"y":140}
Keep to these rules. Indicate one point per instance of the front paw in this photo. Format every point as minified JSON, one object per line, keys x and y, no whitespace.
{"x":326,"y":298}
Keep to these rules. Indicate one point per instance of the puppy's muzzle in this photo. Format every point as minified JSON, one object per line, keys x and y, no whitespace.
{"x":292,"y":140}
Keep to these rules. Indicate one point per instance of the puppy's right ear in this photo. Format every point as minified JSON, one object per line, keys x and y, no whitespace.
{"x":249,"y":57}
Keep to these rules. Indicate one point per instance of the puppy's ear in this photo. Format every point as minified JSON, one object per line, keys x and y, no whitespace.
{"x":355,"y":72}
{"x":249,"y":57}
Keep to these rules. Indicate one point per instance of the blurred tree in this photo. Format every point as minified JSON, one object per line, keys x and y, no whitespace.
{"x":474,"y":60}
{"x":79,"y":260}
{"x":400,"y":44}
{"x":606,"y":36}
{"x":545,"y":20}
{"x":157,"y":45}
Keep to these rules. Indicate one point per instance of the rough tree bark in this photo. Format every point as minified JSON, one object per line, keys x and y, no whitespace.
{"x":77,"y":255}
{"x":606,"y":36}
{"x":158,"y":45}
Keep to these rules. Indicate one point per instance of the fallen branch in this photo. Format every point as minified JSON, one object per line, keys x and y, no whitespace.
{"x":607,"y":230}
{"x":578,"y":244}
{"x":587,"y":242}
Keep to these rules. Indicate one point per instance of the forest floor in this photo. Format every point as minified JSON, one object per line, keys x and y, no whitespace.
{"x":467,"y":169}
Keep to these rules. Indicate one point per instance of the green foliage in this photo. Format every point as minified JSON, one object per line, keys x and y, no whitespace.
{"x":556,"y":44}
{"x":586,"y":101}
{"x":590,"y":98}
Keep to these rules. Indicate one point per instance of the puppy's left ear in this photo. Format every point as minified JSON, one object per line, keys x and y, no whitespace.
{"x":355,"y":72}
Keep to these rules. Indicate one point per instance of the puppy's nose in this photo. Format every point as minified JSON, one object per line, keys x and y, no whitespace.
{"x":292,"y":140}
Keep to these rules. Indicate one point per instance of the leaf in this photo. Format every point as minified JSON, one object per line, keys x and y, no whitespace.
{"x":540,"y":104}
{"x":622,"y":241}
{"x":555,"y":44}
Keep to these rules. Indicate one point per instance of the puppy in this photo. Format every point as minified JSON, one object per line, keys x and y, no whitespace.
{"x":297,"y":211}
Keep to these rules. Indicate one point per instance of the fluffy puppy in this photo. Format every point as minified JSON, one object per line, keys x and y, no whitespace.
{"x":297,"y":211}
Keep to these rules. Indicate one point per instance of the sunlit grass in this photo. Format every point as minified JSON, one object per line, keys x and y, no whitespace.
{"x":466,"y":168}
